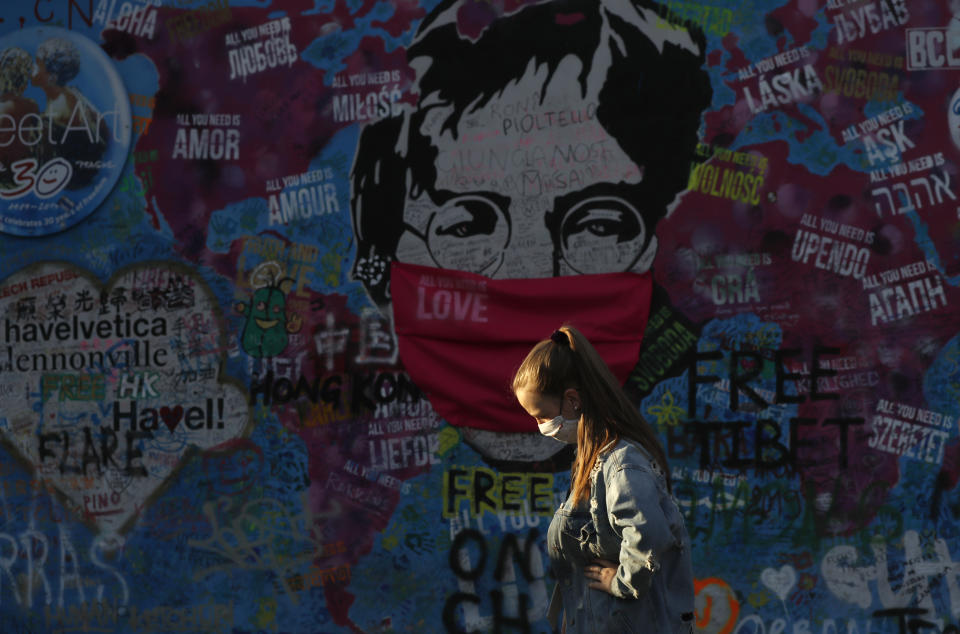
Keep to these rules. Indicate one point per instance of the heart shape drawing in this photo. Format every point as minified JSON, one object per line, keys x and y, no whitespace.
{"x":121,"y":379}
{"x":780,"y":581}
{"x":171,"y":416}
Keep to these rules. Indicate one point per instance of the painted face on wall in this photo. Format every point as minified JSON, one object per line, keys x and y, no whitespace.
{"x":265,"y":332}
{"x":53,"y":177}
{"x":546,"y":147}
{"x":532,"y":186}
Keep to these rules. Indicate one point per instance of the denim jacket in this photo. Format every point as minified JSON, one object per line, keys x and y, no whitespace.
{"x":632,"y":519}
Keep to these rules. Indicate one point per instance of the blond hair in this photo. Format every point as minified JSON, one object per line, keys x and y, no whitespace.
{"x":569,"y":360}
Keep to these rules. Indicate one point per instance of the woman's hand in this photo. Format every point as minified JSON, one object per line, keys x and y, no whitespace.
{"x":601,"y":574}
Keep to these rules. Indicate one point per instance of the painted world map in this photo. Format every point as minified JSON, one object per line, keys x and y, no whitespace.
{"x":211,"y":419}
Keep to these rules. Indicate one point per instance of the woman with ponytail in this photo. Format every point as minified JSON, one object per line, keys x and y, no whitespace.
{"x":618,"y":545}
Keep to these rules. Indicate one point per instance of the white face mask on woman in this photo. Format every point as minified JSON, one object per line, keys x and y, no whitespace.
{"x":563,"y":429}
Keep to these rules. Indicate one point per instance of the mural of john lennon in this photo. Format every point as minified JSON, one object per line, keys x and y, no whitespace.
{"x":548,"y":145}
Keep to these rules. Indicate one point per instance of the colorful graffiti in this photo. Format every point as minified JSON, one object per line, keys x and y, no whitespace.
{"x":265,"y":267}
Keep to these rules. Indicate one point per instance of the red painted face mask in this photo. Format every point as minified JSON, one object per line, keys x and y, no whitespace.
{"x":462,"y":336}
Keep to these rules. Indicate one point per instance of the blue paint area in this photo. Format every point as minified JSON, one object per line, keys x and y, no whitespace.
{"x":923,"y":240}
{"x":821,"y":36}
{"x":817,"y":152}
{"x":941,"y":382}
{"x":328,"y":51}
{"x":321,"y":7}
{"x":139,"y":75}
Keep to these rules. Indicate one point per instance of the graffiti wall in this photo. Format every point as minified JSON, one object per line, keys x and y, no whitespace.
{"x":267,"y":266}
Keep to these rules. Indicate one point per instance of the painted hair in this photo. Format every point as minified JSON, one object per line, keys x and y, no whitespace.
{"x":16,"y":66}
{"x":646,"y":66}
{"x":61,"y":58}
{"x":554,"y":365}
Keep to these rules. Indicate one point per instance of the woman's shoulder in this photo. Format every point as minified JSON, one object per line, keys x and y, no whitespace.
{"x":627,"y":452}
{"x":627,"y":458}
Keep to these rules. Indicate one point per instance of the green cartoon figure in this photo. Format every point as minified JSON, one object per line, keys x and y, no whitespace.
{"x":267,"y":325}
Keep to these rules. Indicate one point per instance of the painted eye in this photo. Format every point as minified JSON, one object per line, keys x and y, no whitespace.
{"x":469,"y":233}
{"x":261,"y":305}
{"x":276,"y":309}
{"x":602,"y":235}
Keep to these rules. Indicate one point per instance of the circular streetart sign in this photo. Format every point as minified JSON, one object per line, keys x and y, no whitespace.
{"x":64,"y":129}
{"x":953,"y":118}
